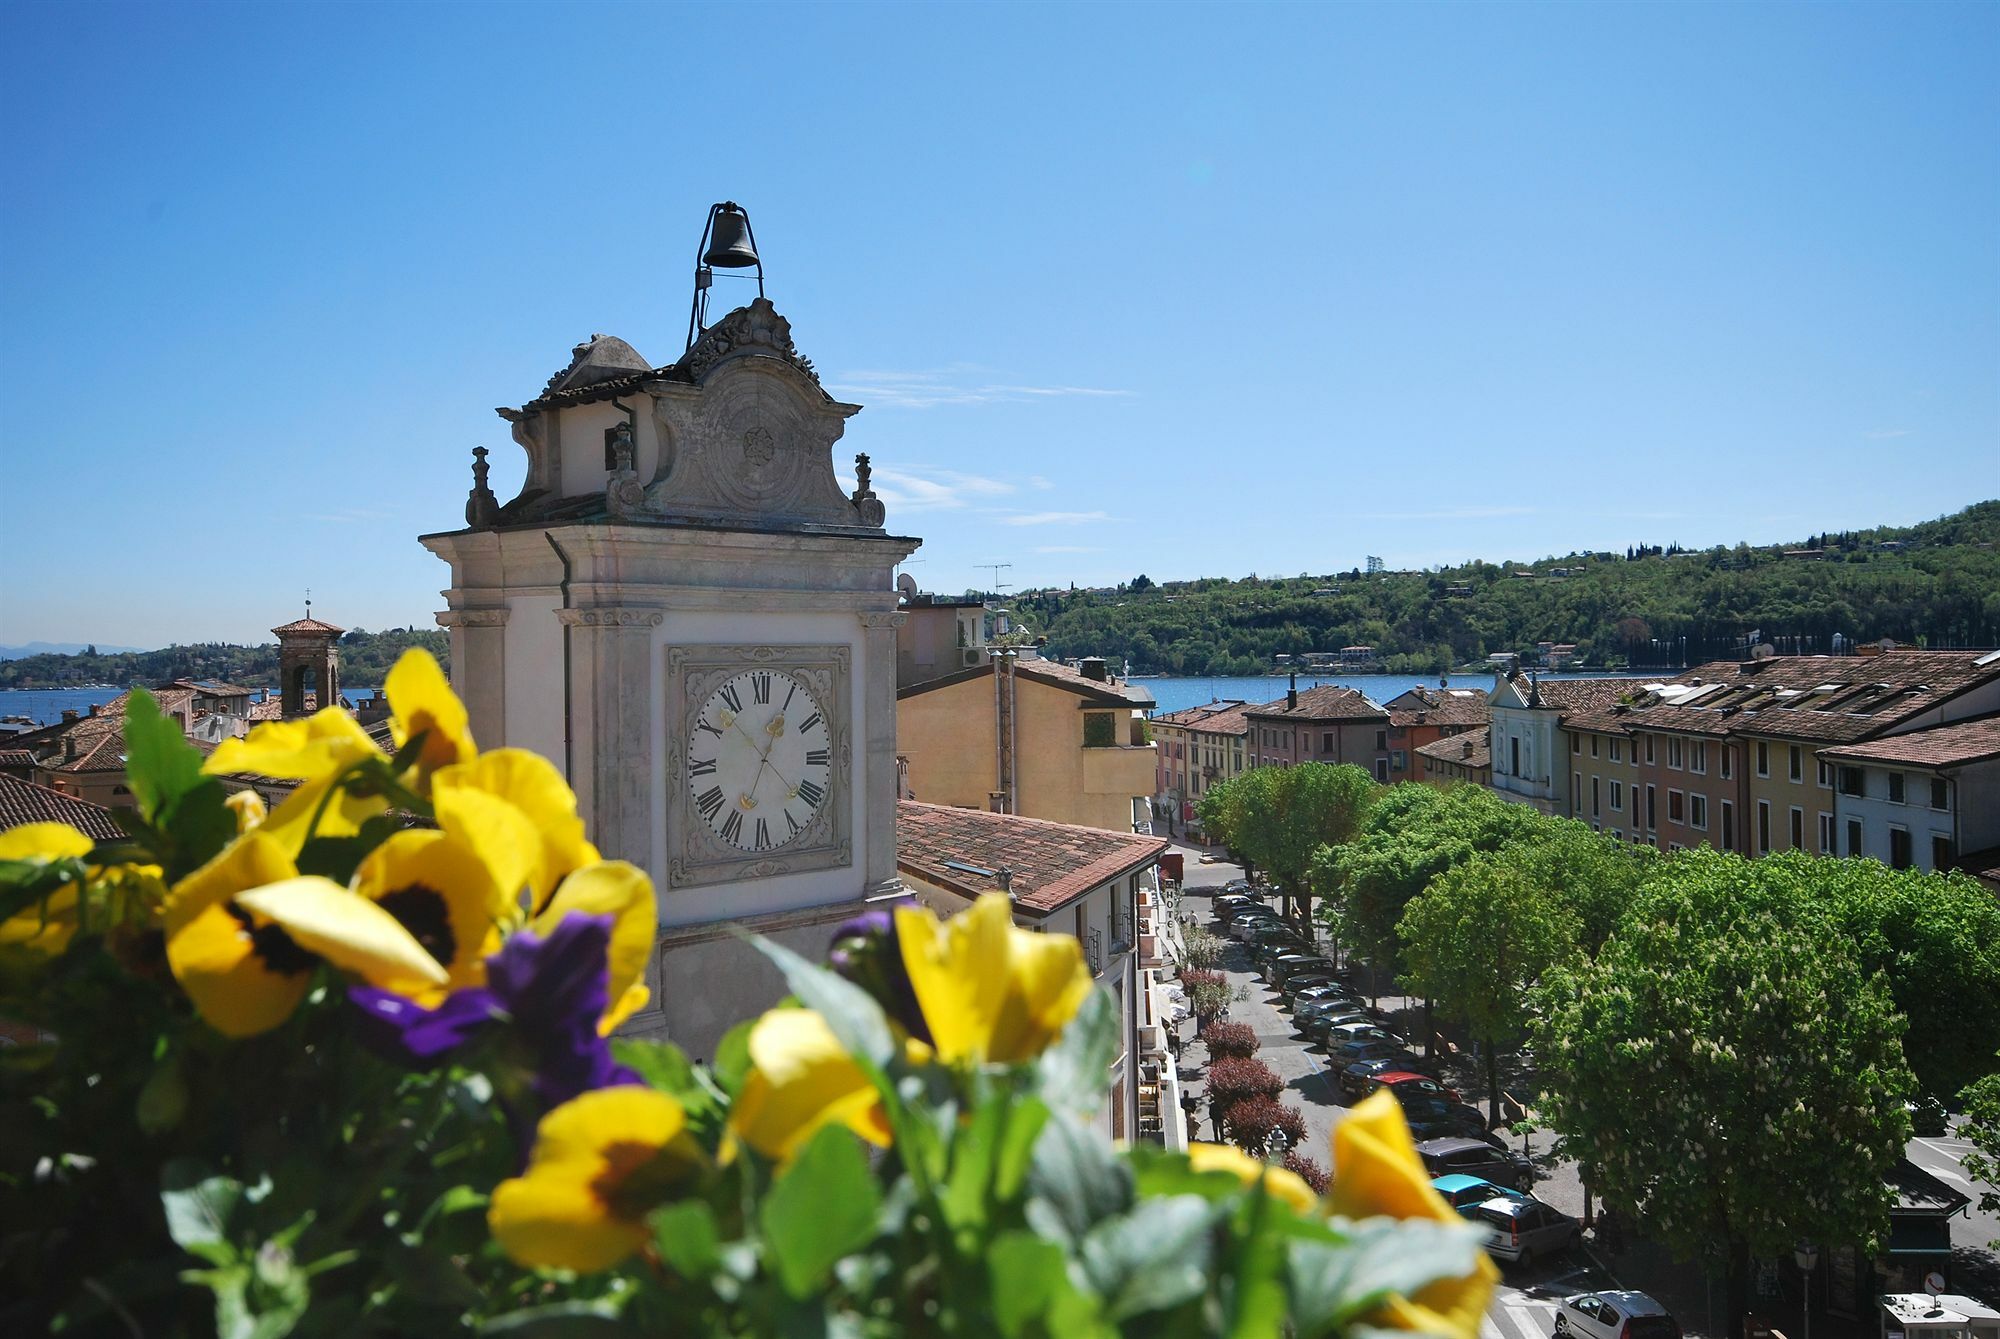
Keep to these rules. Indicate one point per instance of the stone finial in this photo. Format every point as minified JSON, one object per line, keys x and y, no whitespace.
{"x":482,"y":509}
{"x":868,"y":507}
{"x":623,"y":493}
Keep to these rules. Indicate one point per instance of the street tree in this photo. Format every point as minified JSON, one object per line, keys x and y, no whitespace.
{"x":1413,"y":834}
{"x":1981,"y":1129}
{"x":1280,"y":817}
{"x":1594,"y":875}
{"x":1936,"y":937}
{"x":1727,"y":1068}
{"x":1478,"y":940}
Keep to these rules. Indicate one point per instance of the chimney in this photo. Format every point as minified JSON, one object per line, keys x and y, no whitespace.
{"x":69,"y":716}
{"x":1093,"y":668}
{"x":69,"y":743}
{"x":1292,"y":693}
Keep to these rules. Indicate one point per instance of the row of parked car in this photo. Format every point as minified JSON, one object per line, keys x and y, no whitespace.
{"x":1481,"y":1177}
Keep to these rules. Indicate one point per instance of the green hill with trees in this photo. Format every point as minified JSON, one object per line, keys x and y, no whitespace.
{"x":1936,"y":584}
{"x":365,"y":657}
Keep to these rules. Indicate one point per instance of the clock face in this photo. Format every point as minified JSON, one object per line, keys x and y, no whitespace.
{"x":759,"y":760}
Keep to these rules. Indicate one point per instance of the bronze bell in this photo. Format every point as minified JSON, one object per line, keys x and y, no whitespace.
{"x":730,"y":247}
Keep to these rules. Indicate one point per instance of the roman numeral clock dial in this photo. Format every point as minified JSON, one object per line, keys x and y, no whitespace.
{"x":759,"y":760}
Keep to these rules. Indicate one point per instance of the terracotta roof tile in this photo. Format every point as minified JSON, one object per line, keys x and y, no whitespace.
{"x":1077,"y":681}
{"x":1472,"y":749}
{"x":1325,"y":702}
{"x":1435,"y":706}
{"x":307,"y":625}
{"x":1939,"y":746}
{"x":17,"y":758}
{"x":1052,"y":864}
{"x":25,"y":802}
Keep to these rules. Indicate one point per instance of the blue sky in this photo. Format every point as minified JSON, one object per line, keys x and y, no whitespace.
{"x":1185,"y":290}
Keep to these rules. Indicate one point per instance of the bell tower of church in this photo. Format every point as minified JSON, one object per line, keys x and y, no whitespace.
{"x":687,"y":612}
{"x":307,"y":663}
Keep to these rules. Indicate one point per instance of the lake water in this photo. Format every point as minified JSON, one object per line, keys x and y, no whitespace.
{"x":1176,"y":694}
{"x":45,"y":706}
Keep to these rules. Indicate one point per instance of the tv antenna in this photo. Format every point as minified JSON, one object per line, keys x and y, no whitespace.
{"x":996,"y":569}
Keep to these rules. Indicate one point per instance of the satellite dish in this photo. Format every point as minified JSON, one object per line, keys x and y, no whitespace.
{"x":906,"y":584}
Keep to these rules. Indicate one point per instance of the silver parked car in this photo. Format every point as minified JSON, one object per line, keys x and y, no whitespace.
{"x":1521,"y":1228}
{"x":1614,"y":1315}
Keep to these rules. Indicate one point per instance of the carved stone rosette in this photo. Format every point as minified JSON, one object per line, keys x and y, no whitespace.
{"x":694,"y":856}
{"x":473,"y":618}
{"x":610,"y":618}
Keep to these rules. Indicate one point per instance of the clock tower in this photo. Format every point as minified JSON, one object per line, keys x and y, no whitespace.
{"x":686,"y":612}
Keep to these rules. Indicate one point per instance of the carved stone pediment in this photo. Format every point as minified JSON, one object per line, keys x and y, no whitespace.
{"x":757,"y":328}
{"x":752,"y":439}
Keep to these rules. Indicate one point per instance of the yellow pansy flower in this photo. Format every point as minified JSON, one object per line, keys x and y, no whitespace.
{"x":990,"y":991}
{"x":314,"y":752}
{"x":421,"y":702}
{"x":800,"y":1079}
{"x":246,"y":931}
{"x":623,"y":892}
{"x":249,"y":808}
{"x":602,"y":1162}
{"x":439,"y":890}
{"x":517,"y":809}
{"x":1376,"y":1172}
{"x":48,"y":925}
{"x":1280,"y":1184}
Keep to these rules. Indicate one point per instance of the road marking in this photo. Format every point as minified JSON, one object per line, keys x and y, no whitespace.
{"x":1949,"y":1174}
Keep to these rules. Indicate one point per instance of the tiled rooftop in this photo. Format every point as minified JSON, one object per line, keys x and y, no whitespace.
{"x":1939,"y":746}
{"x":1439,"y":706}
{"x":24,"y":802}
{"x":1472,"y":749}
{"x":1052,"y":864}
{"x":1326,"y":702}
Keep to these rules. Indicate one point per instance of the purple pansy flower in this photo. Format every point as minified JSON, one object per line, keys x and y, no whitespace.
{"x":867,"y":951}
{"x":548,"y":993}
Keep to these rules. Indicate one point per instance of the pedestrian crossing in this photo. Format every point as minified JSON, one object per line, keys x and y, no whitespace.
{"x":1515,"y":1316}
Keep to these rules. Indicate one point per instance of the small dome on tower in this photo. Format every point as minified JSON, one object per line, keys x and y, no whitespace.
{"x":599,"y":358}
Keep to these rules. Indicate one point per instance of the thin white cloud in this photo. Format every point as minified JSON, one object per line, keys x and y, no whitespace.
{"x":1053,"y":518}
{"x":956,"y":385}
{"x":1884,"y":434}
{"x":1066,"y":548}
{"x":1455,"y":514}
{"x":920,"y":488}
{"x":1038,"y":481}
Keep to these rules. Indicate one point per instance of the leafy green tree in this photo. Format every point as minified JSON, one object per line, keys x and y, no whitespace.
{"x":1281,"y":817}
{"x":1413,"y":834}
{"x":1981,"y":1128}
{"x":1594,"y":876}
{"x":1724,"y":1050}
{"x":1936,"y":937}
{"x":1477,"y":940}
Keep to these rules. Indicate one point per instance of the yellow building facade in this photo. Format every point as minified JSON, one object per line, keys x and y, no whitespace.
{"x":1030,"y":736}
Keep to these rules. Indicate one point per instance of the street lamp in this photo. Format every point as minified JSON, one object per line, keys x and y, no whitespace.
{"x":1805,"y":1255}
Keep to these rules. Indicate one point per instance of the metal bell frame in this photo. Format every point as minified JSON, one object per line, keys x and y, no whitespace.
{"x":727,"y":250}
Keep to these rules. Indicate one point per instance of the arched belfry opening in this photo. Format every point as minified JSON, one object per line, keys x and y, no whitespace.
{"x":308,"y":665}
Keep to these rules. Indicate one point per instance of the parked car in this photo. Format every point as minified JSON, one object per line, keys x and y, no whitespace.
{"x":1283,"y":969}
{"x":1334,"y":1034}
{"x":1520,"y":1227}
{"x":1299,"y":982}
{"x":1444,"y":1113}
{"x":1241,"y":886}
{"x":1471,"y":1155}
{"x":1365,"y":1048}
{"x":1311,"y":1024}
{"x":1323,"y":992}
{"x":1406,"y":1085}
{"x":1462,"y":1192}
{"x":1272,"y":947}
{"x":1229,"y":905}
{"x":1614,"y":1315}
{"x":1354,"y":1077}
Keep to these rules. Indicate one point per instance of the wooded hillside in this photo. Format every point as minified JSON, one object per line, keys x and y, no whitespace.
{"x":1936,"y":584}
{"x":365,"y":657}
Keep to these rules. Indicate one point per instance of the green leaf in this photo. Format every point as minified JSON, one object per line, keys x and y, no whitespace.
{"x":1074,"y":1180}
{"x":1333,"y":1285}
{"x":856,"y":1019}
{"x":164,"y":1099}
{"x":160,"y":764}
{"x":1072,"y":1071}
{"x":820,"y":1209}
{"x":337,"y":858}
{"x":198,"y":1211}
{"x":1152,"y":1259}
{"x":1027,"y":1275}
{"x":688,"y":1239}
{"x":732,"y":1058}
{"x":427,"y":1274}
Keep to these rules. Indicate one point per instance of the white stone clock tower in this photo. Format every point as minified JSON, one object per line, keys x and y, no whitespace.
{"x":685,"y":612}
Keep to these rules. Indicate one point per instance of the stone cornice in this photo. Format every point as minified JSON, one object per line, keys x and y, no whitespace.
{"x":882,"y":618}
{"x":473,"y":618}
{"x":610,"y":618}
